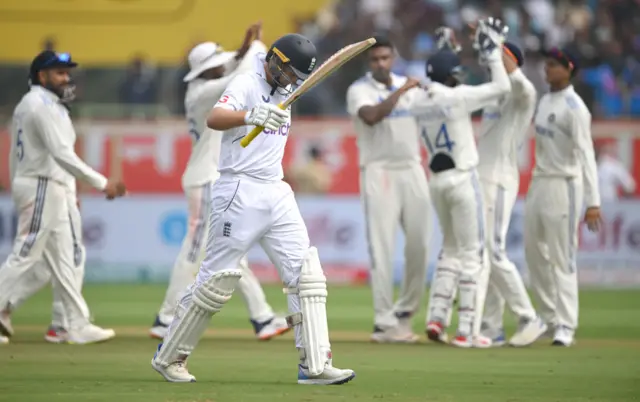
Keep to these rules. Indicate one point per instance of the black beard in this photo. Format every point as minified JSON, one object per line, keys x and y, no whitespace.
{"x":66,"y":93}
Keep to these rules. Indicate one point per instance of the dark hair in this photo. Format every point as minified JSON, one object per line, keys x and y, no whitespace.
{"x":381,"y":41}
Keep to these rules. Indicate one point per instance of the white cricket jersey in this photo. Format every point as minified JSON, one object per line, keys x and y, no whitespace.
{"x":563,"y":141}
{"x":394,"y":139}
{"x":262,"y":159}
{"x":504,"y":127}
{"x":42,"y":142}
{"x":444,"y":116}
{"x":201,"y":96}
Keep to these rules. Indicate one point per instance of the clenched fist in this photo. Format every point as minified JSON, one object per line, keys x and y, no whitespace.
{"x":114,"y":189}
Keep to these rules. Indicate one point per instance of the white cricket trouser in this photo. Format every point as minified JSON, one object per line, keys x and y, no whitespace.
{"x":552,"y":215}
{"x":392,"y":195}
{"x":245,"y":211}
{"x":39,"y":275}
{"x":457,"y":198}
{"x":192,"y":253}
{"x":505,"y":282}
{"x":46,"y":236}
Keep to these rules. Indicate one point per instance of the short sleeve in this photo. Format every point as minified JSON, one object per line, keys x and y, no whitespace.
{"x":357,"y":98}
{"x":235,"y":95}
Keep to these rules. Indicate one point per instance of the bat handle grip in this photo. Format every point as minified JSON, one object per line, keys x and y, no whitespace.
{"x":246,"y":140}
{"x":251,"y":136}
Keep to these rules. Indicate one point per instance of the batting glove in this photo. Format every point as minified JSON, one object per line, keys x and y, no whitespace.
{"x":446,"y":39}
{"x":268,"y":116}
{"x":490,"y":35}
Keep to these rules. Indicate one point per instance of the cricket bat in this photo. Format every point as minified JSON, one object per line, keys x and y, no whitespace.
{"x":323,"y":71}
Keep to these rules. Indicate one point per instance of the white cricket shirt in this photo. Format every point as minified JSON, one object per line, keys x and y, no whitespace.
{"x":504,"y":127}
{"x":563,"y":141}
{"x":42,"y":142}
{"x":444,"y":116}
{"x":262,"y":159}
{"x":199,"y":100}
{"x":395,"y":138}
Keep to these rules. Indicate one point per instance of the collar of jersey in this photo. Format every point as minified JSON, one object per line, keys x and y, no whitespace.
{"x":563,"y":92}
{"x":395,"y":82}
{"x":45,"y":92}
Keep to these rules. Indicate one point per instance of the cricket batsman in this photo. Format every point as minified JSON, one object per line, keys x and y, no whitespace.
{"x":44,"y":168}
{"x":564,"y":179}
{"x":444,"y":117}
{"x":393,"y":189}
{"x":505,"y":124}
{"x":212,"y":69}
{"x":251,"y":204}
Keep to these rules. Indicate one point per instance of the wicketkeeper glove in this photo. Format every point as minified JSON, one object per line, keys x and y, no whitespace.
{"x":446,"y":39}
{"x":490,"y":35}
{"x":268,"y":116}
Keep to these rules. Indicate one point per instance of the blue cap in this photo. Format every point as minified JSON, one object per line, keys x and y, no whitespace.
{"x":515,"y":51}
{"x":564,"y":57}
{"x":443,"y":65}
{"x":49,"y":59}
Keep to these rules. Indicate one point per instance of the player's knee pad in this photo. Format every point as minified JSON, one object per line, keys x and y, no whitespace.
{"x":216,"y":291}
{"x":312,"y":290}
{"x":190,"y":322}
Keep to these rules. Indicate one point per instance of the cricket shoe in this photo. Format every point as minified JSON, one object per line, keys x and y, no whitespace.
{"x":498,"y":339}
{"x":4,"y":340}
{"x":159,"y":329}
{"x":397,"y":334}
{"x":89,"y":334}
{"x":174,"y":372}
{"x":405,"y":326}
{"x":436,"y":332}
{"x":529,"y":330}
{"x":6,"y":328}
{"x":271,"y":328}
{"x":563,"y":336}
{"x":329,"y":376}
{"x":478,"y":342}
{"x":56,"y":334}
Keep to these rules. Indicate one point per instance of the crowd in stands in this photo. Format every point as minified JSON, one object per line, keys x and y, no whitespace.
{"x":605,"y":34}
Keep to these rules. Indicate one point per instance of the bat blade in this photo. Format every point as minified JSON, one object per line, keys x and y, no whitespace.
{"x":333,"y":63}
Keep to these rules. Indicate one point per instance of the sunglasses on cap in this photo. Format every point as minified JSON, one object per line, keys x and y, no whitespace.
{"x":59,"y":59}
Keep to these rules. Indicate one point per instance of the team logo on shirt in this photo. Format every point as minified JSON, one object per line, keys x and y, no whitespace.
{"x":267,"y":99}
{"x":551,"y":118}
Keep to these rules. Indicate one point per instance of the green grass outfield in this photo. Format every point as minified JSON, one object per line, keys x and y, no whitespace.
{"x":232,"y":366}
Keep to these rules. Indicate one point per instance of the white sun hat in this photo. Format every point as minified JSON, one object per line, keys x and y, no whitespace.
{"x":205,"y":56}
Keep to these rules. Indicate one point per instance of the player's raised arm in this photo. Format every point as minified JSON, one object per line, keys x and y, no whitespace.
{"x":522,"y":90}
{"x":61,"y":148}
{"x":488,"y":40}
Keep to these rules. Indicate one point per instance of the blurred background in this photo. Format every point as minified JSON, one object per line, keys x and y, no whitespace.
{"x":129,"y":114}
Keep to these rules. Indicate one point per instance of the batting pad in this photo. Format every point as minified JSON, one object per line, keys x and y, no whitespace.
{"x":208,"y":298}
{"x":443,"y":290}
{"x":312,"y":290}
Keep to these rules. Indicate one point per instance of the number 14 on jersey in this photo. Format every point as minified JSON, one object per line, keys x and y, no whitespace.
{"x":441,"y":140}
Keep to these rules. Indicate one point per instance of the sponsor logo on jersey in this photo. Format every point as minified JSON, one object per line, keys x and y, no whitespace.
{"x":267,"y":99}
{"x":283,"y":130}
